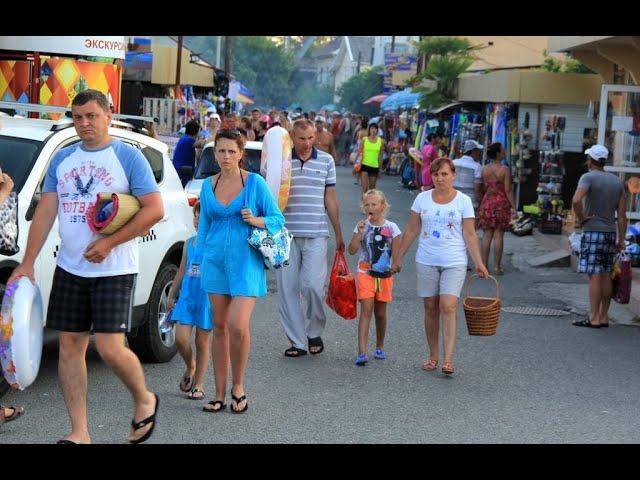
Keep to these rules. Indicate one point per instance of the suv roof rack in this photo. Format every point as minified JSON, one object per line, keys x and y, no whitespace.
{"x":136,"y":121}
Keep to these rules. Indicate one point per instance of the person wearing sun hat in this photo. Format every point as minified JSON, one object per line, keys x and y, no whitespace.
{"x":599,"y":204}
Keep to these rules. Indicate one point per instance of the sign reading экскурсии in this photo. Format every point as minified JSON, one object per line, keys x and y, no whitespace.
{"x":94,"y":45}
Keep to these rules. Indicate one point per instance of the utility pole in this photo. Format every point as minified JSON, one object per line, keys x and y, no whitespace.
{"x":218,"y":49}
{"x":179,"y":61}
{"x":228,"y":56}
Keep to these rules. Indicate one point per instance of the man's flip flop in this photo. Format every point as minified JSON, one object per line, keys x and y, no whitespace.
{"x":151,"y":419}
{"x":585,"y":323}
{"x":318,"y":343}
{"x":294,"y":352}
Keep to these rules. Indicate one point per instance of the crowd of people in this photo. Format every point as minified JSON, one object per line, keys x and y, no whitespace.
{"x":221,"y":277}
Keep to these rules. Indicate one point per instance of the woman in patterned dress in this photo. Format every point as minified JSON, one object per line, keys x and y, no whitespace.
{"x":497,"y":207}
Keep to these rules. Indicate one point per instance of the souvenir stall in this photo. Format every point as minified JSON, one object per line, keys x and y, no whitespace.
{"x":545,"y":135}
{"x":466,"y":125}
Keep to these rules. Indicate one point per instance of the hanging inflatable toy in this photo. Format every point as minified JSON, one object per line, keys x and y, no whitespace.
{"x":21,"y":324}
{"x":276,"y":160}
{"x":416,"y":155}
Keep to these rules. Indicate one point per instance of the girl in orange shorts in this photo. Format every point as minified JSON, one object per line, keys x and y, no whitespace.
{"x":375,"y":238}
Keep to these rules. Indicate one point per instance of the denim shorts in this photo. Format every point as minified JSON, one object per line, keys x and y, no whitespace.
{"x":432,"y":281}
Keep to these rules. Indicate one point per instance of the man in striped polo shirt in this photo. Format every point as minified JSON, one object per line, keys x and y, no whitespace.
{"x":312,"y":198}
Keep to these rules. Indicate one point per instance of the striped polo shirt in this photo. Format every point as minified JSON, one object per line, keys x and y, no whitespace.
{"x":305,"y":214}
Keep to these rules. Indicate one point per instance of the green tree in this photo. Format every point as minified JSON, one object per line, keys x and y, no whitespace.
{"x":261,"y":64}
{"x":360,"y":87}
{"x":312,"y":97}
{"x":266,"y":68}
{"x":559,"y":65}
{"x":446,"y":59}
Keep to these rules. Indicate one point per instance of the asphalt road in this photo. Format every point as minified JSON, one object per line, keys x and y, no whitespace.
{"x":539,"y":380}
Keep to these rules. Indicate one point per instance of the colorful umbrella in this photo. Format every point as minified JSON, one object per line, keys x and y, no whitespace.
{"x":238,"y":92}
{"x":376,"y":99}
{"x":403,"y":99}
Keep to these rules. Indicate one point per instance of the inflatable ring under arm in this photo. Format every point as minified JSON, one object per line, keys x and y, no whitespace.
{"x":21,"y":324}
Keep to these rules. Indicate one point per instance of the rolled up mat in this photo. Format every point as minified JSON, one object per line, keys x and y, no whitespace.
{"x":116,"y":208}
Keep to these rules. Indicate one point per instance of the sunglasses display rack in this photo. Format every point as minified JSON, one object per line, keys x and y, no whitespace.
{"x":552,"y":173}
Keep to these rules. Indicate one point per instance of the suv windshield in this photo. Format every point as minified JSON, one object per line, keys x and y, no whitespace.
{"x":17,"y":157}
{"x":207,"y":165}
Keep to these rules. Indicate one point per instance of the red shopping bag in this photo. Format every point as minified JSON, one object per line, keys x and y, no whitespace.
{"x":621,"y":277}
{"x":341,"y":296}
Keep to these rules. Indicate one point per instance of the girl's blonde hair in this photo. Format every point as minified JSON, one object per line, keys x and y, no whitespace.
{"x":196,"y":208}
{"x":383,"y":199}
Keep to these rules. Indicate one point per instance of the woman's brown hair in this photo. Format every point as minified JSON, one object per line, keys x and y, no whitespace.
{"x":438,"y":163}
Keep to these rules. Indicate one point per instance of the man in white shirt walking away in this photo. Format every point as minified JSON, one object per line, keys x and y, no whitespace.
{"x":469,"y":172}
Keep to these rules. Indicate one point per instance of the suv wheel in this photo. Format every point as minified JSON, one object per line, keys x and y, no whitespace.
{"x":149,"y":342}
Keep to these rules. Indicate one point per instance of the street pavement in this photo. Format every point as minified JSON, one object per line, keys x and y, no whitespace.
{"x":539,"y":380}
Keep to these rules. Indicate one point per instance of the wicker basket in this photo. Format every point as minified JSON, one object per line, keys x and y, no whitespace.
{"x":124,"y":208}
{"x":481,"y":313}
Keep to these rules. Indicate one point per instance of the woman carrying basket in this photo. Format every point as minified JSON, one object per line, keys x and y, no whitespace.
{"x":444,"y":219}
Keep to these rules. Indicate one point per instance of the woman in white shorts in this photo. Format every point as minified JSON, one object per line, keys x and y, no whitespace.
{"x":444,"y":219}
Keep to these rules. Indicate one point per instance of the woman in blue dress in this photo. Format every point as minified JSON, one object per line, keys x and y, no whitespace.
{"x":233,"y":273}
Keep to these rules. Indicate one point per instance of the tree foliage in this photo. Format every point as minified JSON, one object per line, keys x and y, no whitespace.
{"x":360,"y":87}
{"x":446,"y":59}
{"x":312,"y":97}
{"x":566,"y":65}
{"x":265,"y":67}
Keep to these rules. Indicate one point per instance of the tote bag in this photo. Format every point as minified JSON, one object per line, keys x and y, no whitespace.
{"x":621,"y":277}
{"x":342,"y":297}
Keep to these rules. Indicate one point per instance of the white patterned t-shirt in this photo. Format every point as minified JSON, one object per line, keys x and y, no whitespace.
{"x":440,"y":241}
{"x":77,"y":175}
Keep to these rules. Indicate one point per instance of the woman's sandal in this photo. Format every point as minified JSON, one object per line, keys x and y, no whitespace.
{"x":16,"y":413}
{"x":214,"y":403}
{"x":238,"y":401}
{"x":430,"y":365}
{"x":186,"y":384}
{"x":447,"y":368}
{"x":196,"y":394}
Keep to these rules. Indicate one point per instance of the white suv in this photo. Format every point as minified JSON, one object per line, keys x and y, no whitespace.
{"x":207,"y":165}
{"x":26,"y":147}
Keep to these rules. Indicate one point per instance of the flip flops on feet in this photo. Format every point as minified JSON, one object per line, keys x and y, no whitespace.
{"x":151,"y":419}
{"x":238,"y":401}
{"x":8,"y":414}
{"x":586,"y":323}
{"x":430,"y":365}
{"x":316,"y":345}
{"x":294,"y":352}
{"x":447,"y":368}
{"x":186,"y":384}
{"x":196,"y":394}
{"x":216,"y":406}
